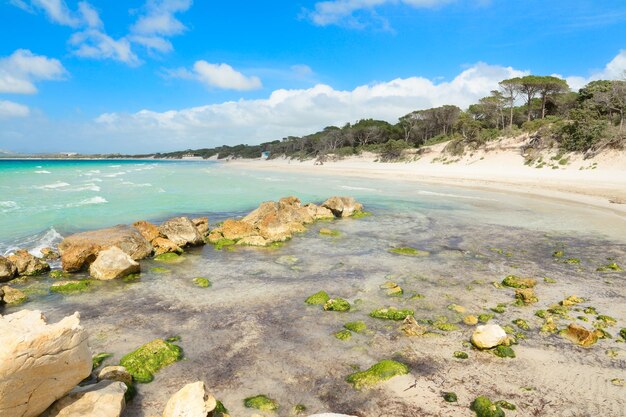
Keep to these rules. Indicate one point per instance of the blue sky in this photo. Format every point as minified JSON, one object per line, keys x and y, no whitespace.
{"x":155,"y":75}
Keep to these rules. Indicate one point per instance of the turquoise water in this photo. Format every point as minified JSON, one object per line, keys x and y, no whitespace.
{"x":41,"y":200}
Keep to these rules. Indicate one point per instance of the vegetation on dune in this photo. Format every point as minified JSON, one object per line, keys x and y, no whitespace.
{"x":589,"y":121}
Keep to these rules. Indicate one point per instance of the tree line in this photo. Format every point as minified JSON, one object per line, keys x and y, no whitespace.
{"x":589,"y":120}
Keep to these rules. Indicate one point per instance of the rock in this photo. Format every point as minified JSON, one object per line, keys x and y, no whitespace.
{"x":253,"y":241}
{"x":191,"y":401}
{"x":49,"y":254}
{"x":39,"y":362}
{"x":380,"y":372}
{"x":526,"y":295}
{"x":488,"y":336}
{"x":202,"y":224}
{"x":319,"y":212}
{"x":28,"y":264}
{"x":81,"y":249}
{"x":330,"y":415}
{"x":1,"y":296}
{"x":581,"y":336}
{"x":237,"y":229}
{"x":148,"y":359}
{"x":148,"y":230}
{"x":7,"y":269}
{"x":13,"y":295}
{"x":277,"y":221}
{"x":104,"y":399}
{"x":181,"y":231}
{"x":214,"y":237}
{"x":115,"y":373}
{"x":470,"y":320}
{"x":113,"y":263}
{"x":163,"y":245}
{"x":342,"y":206}
{"x":411,"y":328}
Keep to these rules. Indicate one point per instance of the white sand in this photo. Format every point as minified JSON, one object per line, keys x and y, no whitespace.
{"x":499,"y":167}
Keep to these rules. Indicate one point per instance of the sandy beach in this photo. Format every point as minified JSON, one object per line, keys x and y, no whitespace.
{"x":599,"y":181}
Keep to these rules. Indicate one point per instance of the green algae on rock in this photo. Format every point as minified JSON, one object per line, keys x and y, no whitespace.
{"x":612,"y":267}
{"x":58,"y":274}
{"x":159,"y":270}
{"x":98,"y":358}
{"x":343,"y":334}
{"x":504,"y":352}
{"x":168,"y":257}
{"x":392,"y":289}
{"x":380,"y":372}
{"x":337,"y":304}
{"x":605,"y":321}
{"x":408,"y":251}
{"x":71,"y":287}
{"x":449,"y":397}
{"x":298,"y":409}
{"x":12,"y":296}
{"x":485,"y":317}
{"x":622,"y":334}
{"x":223,"y":243}
{"x":391,"y":313}
{"x":460,"y":355}
{"x":324,"y":231}
{"x":521,"y":323}
{"x":517,"y":282}
{"x":356,"y":326}
{"x":261,"y":402}
{"x":319,"y":298}
{"x":148,"y":359}
{"x":558,"y":254}
{"x":500,"y":308}
{"x":202,"y":282}
{"x":483,"y":407}
{"x":506,"y":405}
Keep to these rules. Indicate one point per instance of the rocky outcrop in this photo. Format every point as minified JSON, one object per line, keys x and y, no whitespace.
{"x":27,"y":264}
{"x":191,"y":401}
{"x":181,"y":231}
{"x":237,"y":229}
{"x":253,"y":241}
{"x":319,"y":212}
{"x":115,"y":373}
{"x":163,"y":245}
{"x":39,"y":362}
{"x":113,"y":263}
{"x":202,"y":224}
{"x":104,"y":399}
{"x":49,"y":254}
{"x":8,"y":271}
{"x":488,"y":336}
{"x":81,"y":249}
{"x":343,"y":206}
{"x":12,"y":295}
{"x":148,"y":230}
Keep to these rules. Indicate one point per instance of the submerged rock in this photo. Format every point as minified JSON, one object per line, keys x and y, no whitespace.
{"x":81,"y":249}
{"x":488,"y":336}
{"x":319,"y":298}
{"x":391,"y":313}
{"x":411,"y":328}
{"x":148,"y":359}
{"x":39,"y":362}
{"x":113,"y":263}
{"x":261,"y":402}
{"x":8,"y":271}
{"x":582,"y":336}
{"x":342,"y":206}
{"x":356,"y":326}
{"x":525,"y":296}
{"x":483,"y":407}
{"x":71,"y":286}
{"x":181,"y":231}
{"x":104,"y":399}
{"x":191,"y":401}
{"x":27,"y":264}
{"x":337,"y":304}
{"x":380,"y":372}
{"x":407,"y":251}
{"x":517,"y":282}
{"x":12,"y":295}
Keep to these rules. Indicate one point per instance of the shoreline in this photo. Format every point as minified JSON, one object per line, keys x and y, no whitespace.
{"x":604,"y":189}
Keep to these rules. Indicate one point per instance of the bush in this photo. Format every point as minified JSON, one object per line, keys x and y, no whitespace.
{"x":392,"y":150}
{"x":583,"y":131}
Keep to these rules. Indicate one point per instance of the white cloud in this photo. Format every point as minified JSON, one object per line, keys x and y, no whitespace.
{"x":216,"y":76}
{"x":95,"y":44}
{"x":10,"y":109}
{"x":337,"y":11}
{"x":302,"y":111}
{"x":158,"y":22}
{"x":20,"y":70}
{"x":614,"y":70}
